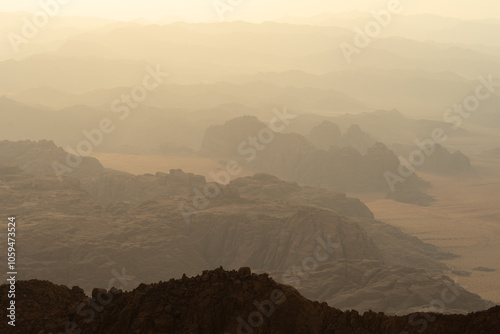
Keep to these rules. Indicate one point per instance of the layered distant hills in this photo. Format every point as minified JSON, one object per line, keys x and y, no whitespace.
{"x":282,"y":127}
{"x":292,"y":156}
{"x":344,"y":153}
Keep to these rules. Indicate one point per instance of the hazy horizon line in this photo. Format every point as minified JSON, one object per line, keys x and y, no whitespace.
{"x":333,"y":15}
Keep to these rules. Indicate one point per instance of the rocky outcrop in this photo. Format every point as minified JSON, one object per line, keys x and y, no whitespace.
{"x":41,"y":306}
{"x":217,"y":301}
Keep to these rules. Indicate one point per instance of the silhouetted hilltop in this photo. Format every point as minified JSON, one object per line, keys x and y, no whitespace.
{"x":215,"y":302}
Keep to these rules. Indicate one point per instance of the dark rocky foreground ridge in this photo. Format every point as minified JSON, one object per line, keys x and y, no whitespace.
{"x":215,"y":302}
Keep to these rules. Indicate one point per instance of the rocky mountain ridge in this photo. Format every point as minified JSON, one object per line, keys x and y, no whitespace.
{"x":214,"y":302}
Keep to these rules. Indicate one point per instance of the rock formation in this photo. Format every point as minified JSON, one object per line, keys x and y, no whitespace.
{"x":164,"y":225}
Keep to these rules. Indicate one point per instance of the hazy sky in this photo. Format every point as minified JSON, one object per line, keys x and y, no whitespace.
{"x":255,"y":10}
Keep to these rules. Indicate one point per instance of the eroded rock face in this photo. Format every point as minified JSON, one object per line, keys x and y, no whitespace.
{"x":215,"y":302}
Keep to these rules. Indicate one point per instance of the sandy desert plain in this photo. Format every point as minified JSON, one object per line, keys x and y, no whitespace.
{"x":464,"y":220}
